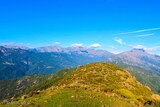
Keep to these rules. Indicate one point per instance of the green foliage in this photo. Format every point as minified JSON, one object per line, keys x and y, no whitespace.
{"x":27,"y":84}
{"x":81,"y":98}
{"x":147,"y":75}
{"x":93,"y":85}
{"x":125,"y":93}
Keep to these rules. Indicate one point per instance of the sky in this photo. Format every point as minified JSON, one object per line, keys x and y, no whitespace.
{"x":113,"y":25}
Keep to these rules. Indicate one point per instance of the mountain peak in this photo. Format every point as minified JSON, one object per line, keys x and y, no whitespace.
{"x":135,"y":52}
{"x":139,"y":49}
{"x":15,"y":46}
{"x":50,"y":49}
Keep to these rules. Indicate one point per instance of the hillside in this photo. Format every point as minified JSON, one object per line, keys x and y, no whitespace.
{"x":144,"y":66}
{"x":93,"y":85}
{"x":16,"y":87}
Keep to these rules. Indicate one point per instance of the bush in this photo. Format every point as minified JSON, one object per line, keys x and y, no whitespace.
{"x":125,"y":93}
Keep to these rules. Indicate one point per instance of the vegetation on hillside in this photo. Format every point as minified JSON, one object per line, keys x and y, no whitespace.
{"x":93,"y":85}
{"x":142,"y":75}
{"x":144,"y":66}
{"x":16,"y":87}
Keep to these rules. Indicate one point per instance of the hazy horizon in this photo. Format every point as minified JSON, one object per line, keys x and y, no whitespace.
{"x":76,"y":46}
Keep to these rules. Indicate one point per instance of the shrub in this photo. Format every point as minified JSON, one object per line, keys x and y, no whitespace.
{"x":125,"y":93}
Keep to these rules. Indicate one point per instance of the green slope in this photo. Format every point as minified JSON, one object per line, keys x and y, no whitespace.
{"x":142,"y":75}
{"x":93,"y":85}
{"x":15,"y":87}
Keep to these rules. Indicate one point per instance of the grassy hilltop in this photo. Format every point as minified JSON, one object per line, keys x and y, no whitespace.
{"x":93,"y":85}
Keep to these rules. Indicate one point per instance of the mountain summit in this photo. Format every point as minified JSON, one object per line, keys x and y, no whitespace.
{"x":139,"y":58}
{"x":138,"y":49}
{"x":79,"y":50}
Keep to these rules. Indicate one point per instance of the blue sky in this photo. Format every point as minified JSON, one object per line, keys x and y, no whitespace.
{"x":113,"y":25}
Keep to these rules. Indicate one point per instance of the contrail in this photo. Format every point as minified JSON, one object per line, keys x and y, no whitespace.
{"x":138,"y":31}
{"x":144,"y":35}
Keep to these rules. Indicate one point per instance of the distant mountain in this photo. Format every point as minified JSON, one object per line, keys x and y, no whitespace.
{"x":79,"y":50}
{"x":51,"y":49}
{"x":17,"y":62}
{"x":93,"y":85}
{"x":13,"y":62}
{"x":139,"y":59}
{"x":15,"y":46}
{"x":144,"y":66}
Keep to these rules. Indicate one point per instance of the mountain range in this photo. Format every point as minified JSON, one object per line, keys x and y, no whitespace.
{"x":18,"y":62}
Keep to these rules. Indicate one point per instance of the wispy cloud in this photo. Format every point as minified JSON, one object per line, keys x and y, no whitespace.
{"x":112,"y":47}
{"x":145,"y":48}
{"x":77,"y":45}
{"x":57,"y":43}
{"x":144,"y":35}
{"x":96,"y":45}
{"x":139,"y":31}
{"x":14,"y":44}
{"x":119,"y":40}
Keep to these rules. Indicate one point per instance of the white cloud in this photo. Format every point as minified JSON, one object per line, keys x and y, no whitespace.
{"x":96,"y":45}
{"x":144,"y":35}
{"x":145,"y":48}
{"x":139,"y":31}
{"x":57,"y":43}
{"x":112,"y":47}
{"x":138,"y":46}
{"x":77,"y":45}
{"x":119,"y":40}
